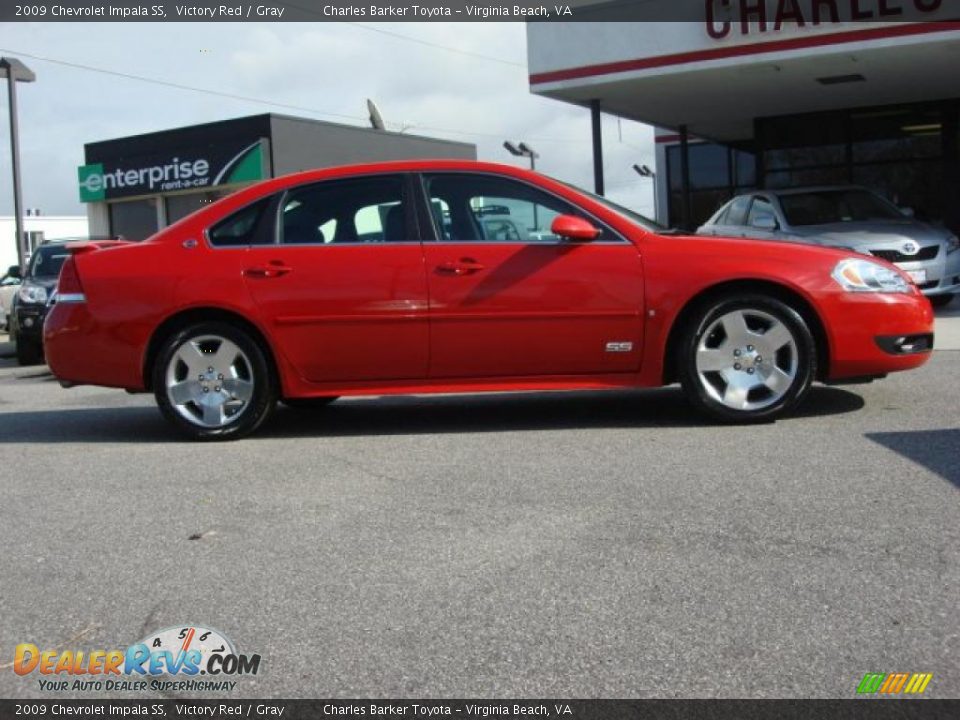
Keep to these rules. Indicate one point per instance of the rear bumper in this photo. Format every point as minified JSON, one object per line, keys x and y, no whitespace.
{"x":878,"y":333}
{"x":80,"y":351}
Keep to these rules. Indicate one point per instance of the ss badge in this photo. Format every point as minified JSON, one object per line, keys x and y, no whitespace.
{"x":619,"y":347}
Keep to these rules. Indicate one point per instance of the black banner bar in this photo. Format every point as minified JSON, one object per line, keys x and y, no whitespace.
{"x":873,"y":709}
{"x":772,"y":13}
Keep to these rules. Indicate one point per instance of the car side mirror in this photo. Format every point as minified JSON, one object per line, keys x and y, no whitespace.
{"x":908,"y":211}
{"x":571,"y":227}
{"x":14,"y":272}
{"x":765,"y":221}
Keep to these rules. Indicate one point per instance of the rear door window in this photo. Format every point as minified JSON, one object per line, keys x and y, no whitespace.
{"x":348,"y":211}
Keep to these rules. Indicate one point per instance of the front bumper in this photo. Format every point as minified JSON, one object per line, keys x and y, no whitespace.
{"x":27,"y":321}
{"x":865,"y":332}
{"x":943,"y":273}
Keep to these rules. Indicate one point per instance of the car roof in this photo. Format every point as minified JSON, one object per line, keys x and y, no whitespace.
{"x":409,"y":166}
{"x":814,"y":188}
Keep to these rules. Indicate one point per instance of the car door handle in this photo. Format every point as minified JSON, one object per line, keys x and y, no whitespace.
{"x":463,"y":266}
{"x":273,"y":269}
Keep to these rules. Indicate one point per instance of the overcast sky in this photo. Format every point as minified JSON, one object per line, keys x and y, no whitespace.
{"x":326,"y":70}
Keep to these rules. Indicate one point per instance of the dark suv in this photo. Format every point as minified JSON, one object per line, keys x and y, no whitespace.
{"x":34,"y":298}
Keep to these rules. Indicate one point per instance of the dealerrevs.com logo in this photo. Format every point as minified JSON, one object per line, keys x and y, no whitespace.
{"x":894,"y":683}
{"x":185,"y":653}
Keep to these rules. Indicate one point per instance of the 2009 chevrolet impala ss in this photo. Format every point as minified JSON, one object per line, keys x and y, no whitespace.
{"x":452,"y":276}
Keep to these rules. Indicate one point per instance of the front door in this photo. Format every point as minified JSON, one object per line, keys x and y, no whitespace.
{"x":343,"y":288}
{"x":508,"y":298}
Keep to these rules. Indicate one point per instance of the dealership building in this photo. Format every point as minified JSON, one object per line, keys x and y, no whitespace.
{"x":753,"y":94}
{"x":133,"y":186}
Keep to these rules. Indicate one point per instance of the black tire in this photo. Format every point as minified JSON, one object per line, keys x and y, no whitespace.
{"x":29,"y":351}
{"x":312,"y":403}
{"x":187,"y":417}
{"x":796,"y":363}
{"x":939,"y":301}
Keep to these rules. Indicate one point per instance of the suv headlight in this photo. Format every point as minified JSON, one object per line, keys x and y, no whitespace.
{"x":855,"y":275}
{"x":32,"y":294}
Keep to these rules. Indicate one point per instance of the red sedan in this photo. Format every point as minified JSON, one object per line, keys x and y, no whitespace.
{"x":451,"y":276}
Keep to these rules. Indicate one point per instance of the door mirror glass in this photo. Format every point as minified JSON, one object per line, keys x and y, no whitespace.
{"x":571,"y":227}
{"x":764,"y":221}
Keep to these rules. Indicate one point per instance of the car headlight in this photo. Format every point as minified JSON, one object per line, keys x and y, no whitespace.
{"x":32,"y":294}
{"x":855,"y":275}
{"x":953,"y":244}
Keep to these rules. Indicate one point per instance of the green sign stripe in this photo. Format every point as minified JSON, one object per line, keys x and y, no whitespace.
{"x":250,"y":167}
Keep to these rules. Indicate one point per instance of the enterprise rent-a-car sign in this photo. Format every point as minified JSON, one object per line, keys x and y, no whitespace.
{"x":154,"y":174}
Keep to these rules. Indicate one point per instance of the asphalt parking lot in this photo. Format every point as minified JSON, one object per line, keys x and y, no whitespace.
{"x":541,"y":545}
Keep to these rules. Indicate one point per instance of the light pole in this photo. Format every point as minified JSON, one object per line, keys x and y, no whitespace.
{"x":521,"y":149}
{"x":15,"y":71}
{"x":645,"y":171}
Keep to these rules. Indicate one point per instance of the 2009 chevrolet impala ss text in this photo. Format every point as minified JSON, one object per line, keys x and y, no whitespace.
{"x":452,"y":276}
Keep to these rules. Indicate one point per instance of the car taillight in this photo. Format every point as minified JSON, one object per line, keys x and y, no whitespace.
{"x":69,"y":288}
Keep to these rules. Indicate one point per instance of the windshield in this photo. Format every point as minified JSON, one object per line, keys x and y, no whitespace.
{"x":827,"y":207}
{"x":634,"y":217}
{"x":47,"y":261}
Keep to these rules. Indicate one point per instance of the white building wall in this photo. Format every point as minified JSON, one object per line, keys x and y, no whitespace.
{"x":52,"y":226}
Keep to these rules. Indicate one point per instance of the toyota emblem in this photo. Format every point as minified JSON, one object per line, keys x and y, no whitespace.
{"x":910,"y":248}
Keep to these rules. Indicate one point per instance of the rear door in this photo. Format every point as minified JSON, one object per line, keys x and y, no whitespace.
{"x":508,"y":298}
{"x":343,"y":287}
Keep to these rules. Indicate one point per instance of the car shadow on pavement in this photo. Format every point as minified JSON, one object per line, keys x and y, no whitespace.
{"x":936,"y":450}
{"x":409,"y":415}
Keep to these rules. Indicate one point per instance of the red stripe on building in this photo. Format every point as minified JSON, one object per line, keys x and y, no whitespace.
{"x":811,"y":41}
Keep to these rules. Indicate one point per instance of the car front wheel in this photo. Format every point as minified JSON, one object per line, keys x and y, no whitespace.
{"x":747,"y":359}
{"x":213,"y":382}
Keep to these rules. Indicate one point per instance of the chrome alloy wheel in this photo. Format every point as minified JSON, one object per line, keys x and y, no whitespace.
{"x":209,"y":381}
{"x":747,"y":360}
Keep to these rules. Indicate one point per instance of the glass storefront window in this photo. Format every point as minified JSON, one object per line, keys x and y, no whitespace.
{"x":133,"y":219}
{"x":814,"y":176}
{"x":896,"y":134}
{"x":917,"y":185}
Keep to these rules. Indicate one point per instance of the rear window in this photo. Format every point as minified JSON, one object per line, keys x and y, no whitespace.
{"x":242,"y":228}
{"x":736,"y":213}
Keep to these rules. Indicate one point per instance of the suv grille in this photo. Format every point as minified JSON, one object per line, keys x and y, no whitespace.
{"x":927,"y":253}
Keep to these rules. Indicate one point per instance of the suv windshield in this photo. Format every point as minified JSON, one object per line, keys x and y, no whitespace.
{"x":826,"y":207}
{"x":47,"y":261}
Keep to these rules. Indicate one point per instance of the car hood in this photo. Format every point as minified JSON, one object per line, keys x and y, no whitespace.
{"x":892,"y":233}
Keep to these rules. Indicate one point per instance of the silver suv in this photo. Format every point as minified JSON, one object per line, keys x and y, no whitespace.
{"x":849,"y":217}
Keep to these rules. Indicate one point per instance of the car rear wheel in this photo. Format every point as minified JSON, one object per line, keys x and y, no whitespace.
{"x":29,"y":351}
{"x":747,"y":359}
{"x":940,"y":300}
{"x":213,"y":382}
